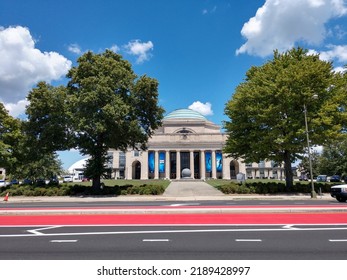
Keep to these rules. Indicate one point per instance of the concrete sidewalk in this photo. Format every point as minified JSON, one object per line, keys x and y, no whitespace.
{"x":185,"y":190}
{"x":190,"y":188}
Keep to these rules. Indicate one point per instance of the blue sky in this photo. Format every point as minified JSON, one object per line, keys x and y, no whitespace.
{"x":198,"y":50}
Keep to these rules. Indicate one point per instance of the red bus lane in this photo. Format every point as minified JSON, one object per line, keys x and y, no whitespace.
{"x":175,"y":219}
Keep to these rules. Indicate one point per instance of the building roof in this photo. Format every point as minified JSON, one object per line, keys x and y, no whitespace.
{"x":81,"y":164}
{"x":184,"y":114}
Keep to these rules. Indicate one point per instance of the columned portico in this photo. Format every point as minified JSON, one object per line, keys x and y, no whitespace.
{"x":186,"y":140}
{"x":203,"y":164}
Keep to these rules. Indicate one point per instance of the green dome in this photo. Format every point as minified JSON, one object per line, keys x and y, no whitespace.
{"x":184,"y":114}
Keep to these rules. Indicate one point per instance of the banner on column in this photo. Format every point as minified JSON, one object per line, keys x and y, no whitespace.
{"x":151,"y":162}
{"x":208,"y":160}
{"x":219,"y":162}
{"x":162,"y":162}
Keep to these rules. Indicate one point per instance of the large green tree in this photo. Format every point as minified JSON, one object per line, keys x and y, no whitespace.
{"x":10,"y":141}
{"x":266,"y":112}
{"x":47,"y":127}
{"x":110,"y":107}
{"x":333,"y":159}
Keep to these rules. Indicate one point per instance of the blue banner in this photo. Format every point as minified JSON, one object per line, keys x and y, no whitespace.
{"x":219,"y":162}
{"x":208,"y":158}
{"x":162,"y":162}
{"x":151,"y":162}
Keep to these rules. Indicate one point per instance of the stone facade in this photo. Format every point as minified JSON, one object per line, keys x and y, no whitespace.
{"x":185,"y":141}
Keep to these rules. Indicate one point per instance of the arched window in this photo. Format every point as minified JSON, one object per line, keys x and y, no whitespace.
{"x":184,"y":131}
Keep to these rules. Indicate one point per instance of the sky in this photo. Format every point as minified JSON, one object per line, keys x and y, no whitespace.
{"x":198,"y":50}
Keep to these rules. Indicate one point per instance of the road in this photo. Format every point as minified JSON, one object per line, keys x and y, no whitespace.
{"x":236,"y":202}
{"x":175,"y":231}
{"x":275,"y":242}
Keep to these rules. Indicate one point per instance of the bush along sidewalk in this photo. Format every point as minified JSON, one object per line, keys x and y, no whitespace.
{"x":271,"y":188}
{"x":80,"y":190}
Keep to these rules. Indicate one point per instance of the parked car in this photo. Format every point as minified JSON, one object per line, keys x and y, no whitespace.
{"x":322,"y":178}
{"x":335,"y":178}
{"x":40,"y":182}
{"x":27,"y":182}
{"x":339,"y":192}
{"x":53,"y":181}
{"x":14,"y":182}
{"x":2,"y":183}
{"x":67,"y":178}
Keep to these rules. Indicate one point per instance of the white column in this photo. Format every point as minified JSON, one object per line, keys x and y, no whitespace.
{"x":191,"y":157}
{"x":156,"y":165}
{"x":226,"y":168}
{"x":214,"y":171}
{"x":167,"y":165}
{"x":178,"y":164}
{"x":144,"y":166}
{"x":202,"y":165}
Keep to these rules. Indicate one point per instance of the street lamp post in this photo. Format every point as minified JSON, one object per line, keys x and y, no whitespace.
{"x":313,"y":193}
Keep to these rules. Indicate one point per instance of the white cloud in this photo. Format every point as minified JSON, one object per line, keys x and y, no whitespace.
{"x":22,"y":65}
{"x":340,"y":69}
{"x":16,"y":109}
{"x":338,"y":53}
{"x":75,"y":48}
{"x":203,"y":109}
{"x":211,"y":11}
{"x":141,"y":50}
{"x":115,"y":48}
{"x":279,"y":24}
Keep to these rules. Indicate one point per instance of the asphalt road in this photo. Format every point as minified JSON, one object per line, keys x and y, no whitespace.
{"x":175,"y":236}
{"x":243,"y":202}
{"x":241,"y":242}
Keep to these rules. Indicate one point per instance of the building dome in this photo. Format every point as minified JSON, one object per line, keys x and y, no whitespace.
{"x":184,"y":114}
{"x":81,"y":164}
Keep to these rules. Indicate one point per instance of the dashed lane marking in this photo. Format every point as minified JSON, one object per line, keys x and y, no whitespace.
{"x":248,"y":240}
{"x":155,"y":240}
{"x":63,"y":241}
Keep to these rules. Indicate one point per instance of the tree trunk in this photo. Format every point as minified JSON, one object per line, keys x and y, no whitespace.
{"x":96,"y":183}
{"x":288,"y":170}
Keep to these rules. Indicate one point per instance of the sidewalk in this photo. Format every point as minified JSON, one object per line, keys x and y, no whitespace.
{"x":188,"y":190}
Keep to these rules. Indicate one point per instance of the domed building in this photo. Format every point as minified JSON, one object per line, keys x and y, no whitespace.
{"x":187,"y":145}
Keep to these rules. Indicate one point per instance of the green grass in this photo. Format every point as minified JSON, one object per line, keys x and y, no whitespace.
{"x":112,"y":182}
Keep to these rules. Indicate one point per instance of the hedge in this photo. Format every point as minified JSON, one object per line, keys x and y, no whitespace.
{"x":80,"y":190}
{"x":271,"y":188}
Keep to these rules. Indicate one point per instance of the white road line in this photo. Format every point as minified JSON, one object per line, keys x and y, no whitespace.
{"x":63,"y":241}
{"x":155,"y":240}
{"x":248,"y":240}
{"x":289,"y":227}
{"x":37,"y":231}
{"x":338,"y":240}
{"x":175,"y":231}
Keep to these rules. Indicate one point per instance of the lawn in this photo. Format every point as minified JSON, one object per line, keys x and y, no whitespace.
{"x":113,"y":182}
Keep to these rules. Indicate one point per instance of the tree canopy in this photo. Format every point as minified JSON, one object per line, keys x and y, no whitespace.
{"x":10,"y":140}
{"x":266,"y":112}
{"x":110,"y":107}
